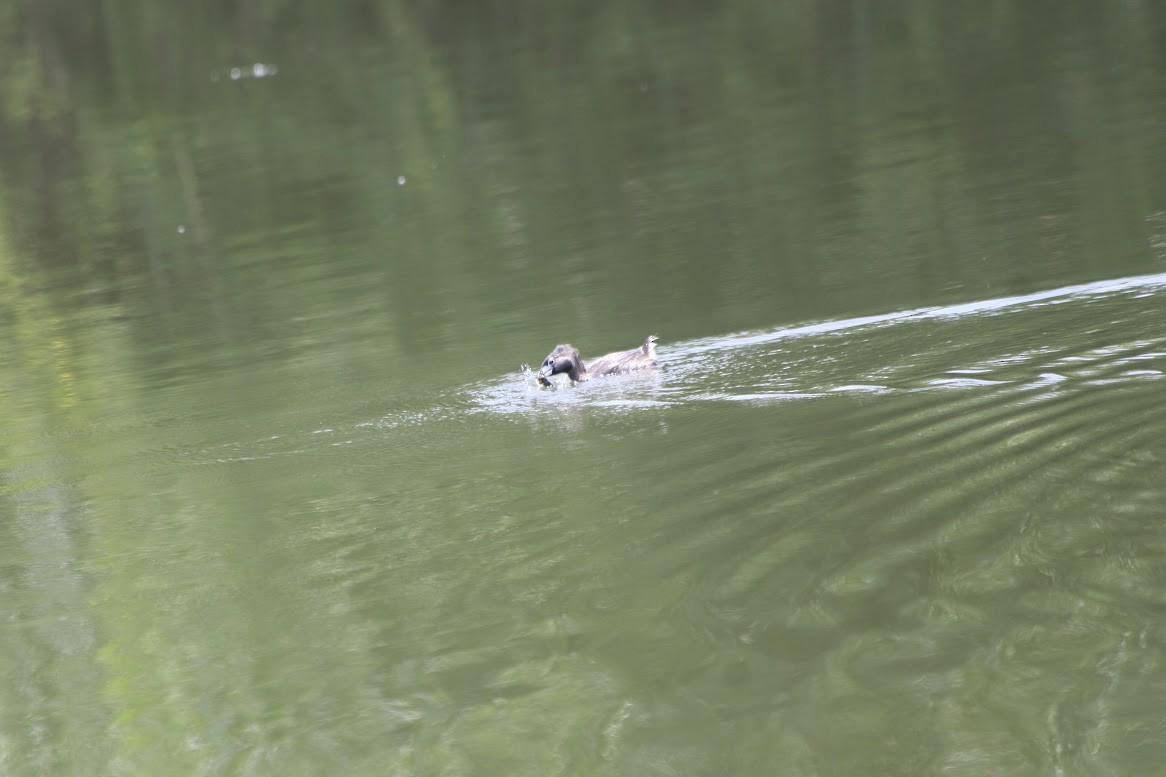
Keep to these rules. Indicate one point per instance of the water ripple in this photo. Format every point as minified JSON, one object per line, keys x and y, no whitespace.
{"x":954,"y":347}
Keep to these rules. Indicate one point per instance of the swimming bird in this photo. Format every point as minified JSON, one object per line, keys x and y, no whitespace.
{"x":565,"y":358}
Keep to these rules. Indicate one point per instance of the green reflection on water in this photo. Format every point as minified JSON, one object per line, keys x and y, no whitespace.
{"x":277,"y":500}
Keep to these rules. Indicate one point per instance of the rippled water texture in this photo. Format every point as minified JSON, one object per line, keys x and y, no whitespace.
{"x":278,"y":495}
{"x":933,"y":536}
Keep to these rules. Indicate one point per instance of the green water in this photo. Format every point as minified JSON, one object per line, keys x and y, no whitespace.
{"x":280,"y":498}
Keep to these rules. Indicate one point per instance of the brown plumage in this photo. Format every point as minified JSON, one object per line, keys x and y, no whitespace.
{"x":565,"y":358}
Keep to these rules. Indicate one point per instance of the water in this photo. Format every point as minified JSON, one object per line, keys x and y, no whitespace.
{"x":281,"y":498}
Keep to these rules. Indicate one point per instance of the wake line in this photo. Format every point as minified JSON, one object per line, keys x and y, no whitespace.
{"x":980,"y":307}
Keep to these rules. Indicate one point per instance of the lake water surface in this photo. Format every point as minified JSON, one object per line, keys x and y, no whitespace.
{"x":281,"y":496}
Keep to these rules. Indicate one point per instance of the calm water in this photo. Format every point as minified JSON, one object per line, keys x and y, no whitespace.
{"x":280,"y":496}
